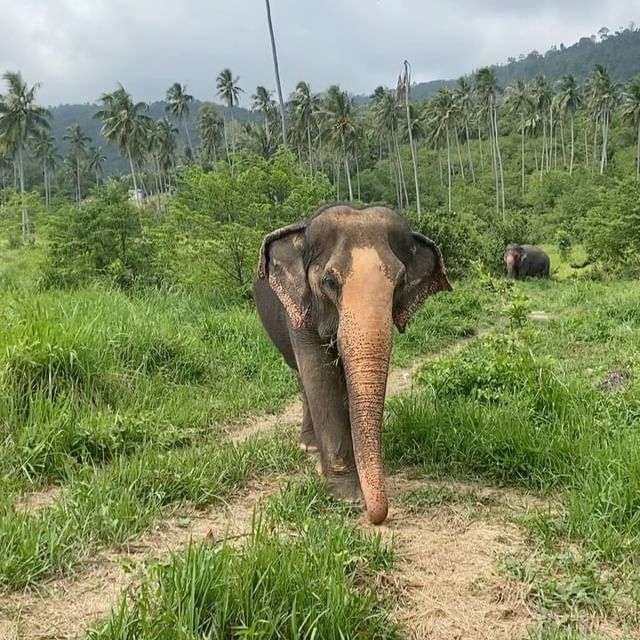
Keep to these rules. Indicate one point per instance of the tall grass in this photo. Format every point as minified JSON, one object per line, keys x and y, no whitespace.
{"x":315,"y":578}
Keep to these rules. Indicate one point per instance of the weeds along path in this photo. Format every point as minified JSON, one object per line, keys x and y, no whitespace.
{"x":444,"y":558}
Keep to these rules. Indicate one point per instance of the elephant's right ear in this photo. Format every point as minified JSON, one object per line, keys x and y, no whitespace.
{"x":282,"y":265}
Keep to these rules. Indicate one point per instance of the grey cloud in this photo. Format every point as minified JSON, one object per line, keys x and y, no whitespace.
{"x":79,"y":49}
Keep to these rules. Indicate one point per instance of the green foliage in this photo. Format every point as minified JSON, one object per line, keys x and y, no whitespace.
{"x":10,"y":218}
{"x":613,"y":228}
{"x":105,"y":237}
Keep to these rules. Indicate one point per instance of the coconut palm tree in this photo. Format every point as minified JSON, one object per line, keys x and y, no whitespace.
{"x":442,"y":119}
{"x":124,"y":123}
{"x":486,"y":89}
{"x":570,"y":102}
{"x":77,"y":140}
{"x":95,"y":160}
{"x":542,"y":96}
{"x":210,"y":123}
{"x":43,"y":148}
{"x":20,"y":120}
{"x":178,"y":101}
{"x":464,"y":97}
{"x":519,"y":103}
{"x":404,"y":87}
{"x":305,"y":107}
{"x":631,"y":112}
{"x":229,"y":91}
{"x":602,"y":98}
{"x":337,"y":112}
{"x":262,"y":102}
{"x":387,"y":114}
{"x":277,"y":72}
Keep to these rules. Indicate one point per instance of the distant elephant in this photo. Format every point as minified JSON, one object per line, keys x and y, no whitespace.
{"x":328,"y":291}
{"x":524,"y":260}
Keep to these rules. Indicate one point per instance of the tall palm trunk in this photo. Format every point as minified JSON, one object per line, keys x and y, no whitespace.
{"x":24,"y":215}
{"x":133,"y":175}
{"x":564,"y":155}
{"x":277,"y":73}
{"x":480,"y":144}
{"x":46,"y":184}
{"x":466,"y":130}
{"x":522,"y":150}
{"x":605,"y":138}
{"x":572,"y":147}
{"x":596,"y":124}
{"x":494,"y":160}
{"x":414,"y":160}
{"x":186,"y":130}
{"x":544,"y":145}
{"x":448,"y":168}
{"x":457,"y":137}
{"x":495,"y":129}
{"x":346,"y":167}
{"x":310,"y":148}
{"x":400,"y":167}
{"x":638,"y":156}
{"x":77,"y":182}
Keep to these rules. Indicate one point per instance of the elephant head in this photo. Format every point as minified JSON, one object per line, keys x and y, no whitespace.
{"x":350,"y":275}
{"x":514,"y":256}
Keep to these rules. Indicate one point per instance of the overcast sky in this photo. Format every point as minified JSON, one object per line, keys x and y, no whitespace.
{"x":79,"y":49}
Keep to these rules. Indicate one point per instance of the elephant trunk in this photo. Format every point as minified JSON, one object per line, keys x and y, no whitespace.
{"x":364,"y":340}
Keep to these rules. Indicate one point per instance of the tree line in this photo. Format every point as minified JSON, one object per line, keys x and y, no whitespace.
{"x":330,"y":134}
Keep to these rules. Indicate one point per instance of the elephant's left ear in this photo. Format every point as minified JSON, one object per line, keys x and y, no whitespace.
{"x":426,"y":275}
{"x":281,"y":263}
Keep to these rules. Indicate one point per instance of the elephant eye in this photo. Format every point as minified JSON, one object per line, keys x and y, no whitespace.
{"x":330,"y":282}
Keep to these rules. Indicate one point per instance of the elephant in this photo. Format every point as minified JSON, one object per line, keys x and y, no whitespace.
{"x":524,"y":260}
{"x":328,"y":291}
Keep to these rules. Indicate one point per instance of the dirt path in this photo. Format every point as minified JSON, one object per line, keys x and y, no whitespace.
{"x":450,"y":588}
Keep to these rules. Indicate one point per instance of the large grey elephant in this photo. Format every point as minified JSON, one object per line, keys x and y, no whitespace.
{"x":524,"y":260}
{"x":328,"y":291}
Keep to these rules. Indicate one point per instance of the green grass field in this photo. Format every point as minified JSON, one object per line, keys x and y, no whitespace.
{"x":120,"y":408}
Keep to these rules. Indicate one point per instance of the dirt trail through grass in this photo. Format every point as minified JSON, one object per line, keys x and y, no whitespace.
{"x":446,"y":574}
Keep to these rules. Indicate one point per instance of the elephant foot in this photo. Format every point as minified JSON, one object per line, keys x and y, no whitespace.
{"x":308,"y":442}
{"x":345,"y":486}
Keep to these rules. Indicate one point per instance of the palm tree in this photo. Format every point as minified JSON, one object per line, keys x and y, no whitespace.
{"x":338,"y":116}
{"x":386,"y":117}
{"x":229,"y":91}
{"x":404,"y":87}
{"x":631,"y":112}
{"x":178,"y":101}
{"x":262,"y":102}
{"x":541,"y":95}
{"x":464,"y":97}
{"x":487,"y":89}
{"x":77,"y":140}
{"x":305,"y":107}
{"x":20,"y":120}
{"x":570,"y":101}
{"x":442,"y":119}
{"x":519,"y":102}
{"x":209,"y":125}
{"x":95,"y":160}
{"x":44,"y":149}
{"x":277,"y":72}
{"x":602,"y":98}
{"x":124,"y":124}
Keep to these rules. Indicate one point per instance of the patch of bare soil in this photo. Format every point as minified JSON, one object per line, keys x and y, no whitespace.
{"x":540,"y":315}
{"x":65,"y":608}
{"x":448,"y":584}
{"x":37,"y":500}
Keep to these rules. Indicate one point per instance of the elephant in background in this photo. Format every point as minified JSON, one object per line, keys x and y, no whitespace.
{"x":328,"y":291}
{"x":524,"y":260}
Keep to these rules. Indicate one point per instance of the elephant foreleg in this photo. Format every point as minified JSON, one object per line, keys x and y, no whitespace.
{"x":308,"y":442}
{"x":326,"y":399}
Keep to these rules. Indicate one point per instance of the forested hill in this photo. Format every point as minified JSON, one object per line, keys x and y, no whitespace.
{"x":619,"y":52}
